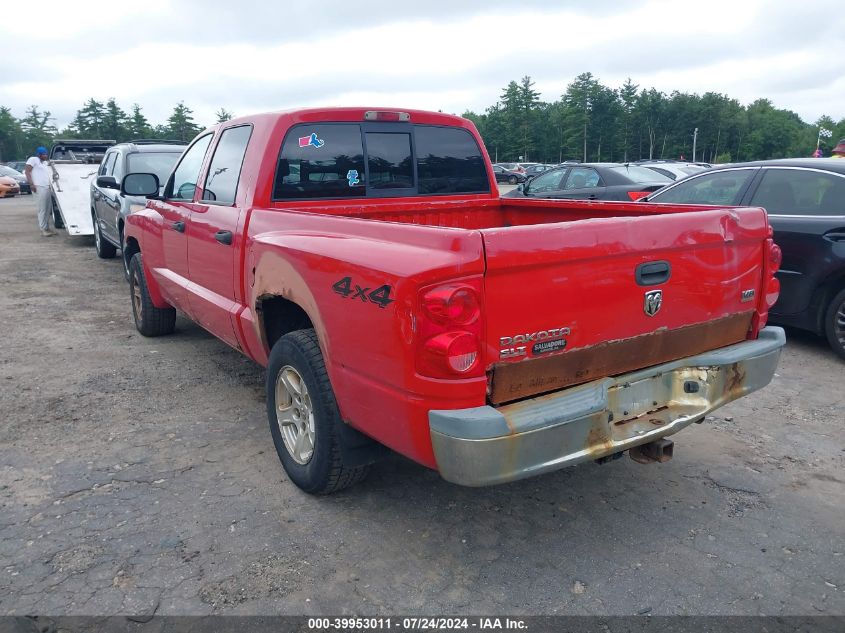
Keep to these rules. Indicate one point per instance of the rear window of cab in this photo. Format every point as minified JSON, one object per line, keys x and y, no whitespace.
{"x":352,"y":160}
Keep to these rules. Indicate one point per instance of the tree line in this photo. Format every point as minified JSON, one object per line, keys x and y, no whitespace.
{"x":590,"y":122}
{"x":94,"y":120}
{"x":593,"y":122}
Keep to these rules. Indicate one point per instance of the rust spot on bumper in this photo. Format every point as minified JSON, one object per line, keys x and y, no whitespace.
{"x":512,"y":381}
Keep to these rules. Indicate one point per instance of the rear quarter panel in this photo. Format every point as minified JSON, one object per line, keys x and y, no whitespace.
{"x":370,"y":349}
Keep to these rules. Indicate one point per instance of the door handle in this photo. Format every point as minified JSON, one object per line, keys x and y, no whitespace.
{"x":224,"y":237}
{"x":836,"y":235}
{"x":178,"y":226}
{"x":653,"y":273}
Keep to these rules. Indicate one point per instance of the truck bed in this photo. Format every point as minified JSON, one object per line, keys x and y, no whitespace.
{"x":490,"y":213}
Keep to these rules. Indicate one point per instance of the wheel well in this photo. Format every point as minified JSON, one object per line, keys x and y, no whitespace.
{"x":825,"y":293}
{"x":131,"y":248}
{"x":280,"y":316}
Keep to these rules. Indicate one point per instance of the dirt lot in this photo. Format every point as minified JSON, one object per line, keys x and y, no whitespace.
{"x":138,"y":476}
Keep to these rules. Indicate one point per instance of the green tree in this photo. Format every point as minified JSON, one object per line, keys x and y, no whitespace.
{"x":180,"y":124}
{"x":223,"y":115}
{"x":115,"y":122}
{"x":37,"y":127}
{"x":138,"y":125}
{"x":628,"y":101}
{"x":11,"y":136}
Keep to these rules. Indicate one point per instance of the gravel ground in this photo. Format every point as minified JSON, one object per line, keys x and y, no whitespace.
{"x":137,"y":476}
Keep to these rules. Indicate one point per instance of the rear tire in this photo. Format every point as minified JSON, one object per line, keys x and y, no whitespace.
{"x":512,"y":180}
{"x":304,"y":418}
{"x":104,"y":248}
{"x":834,"y":323}
{"x":57,"y":216}
{"x":149,"y":320}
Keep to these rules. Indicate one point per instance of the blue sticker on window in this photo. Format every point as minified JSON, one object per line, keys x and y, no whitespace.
{"x":312,"y":141}
{"x":352,"y":177}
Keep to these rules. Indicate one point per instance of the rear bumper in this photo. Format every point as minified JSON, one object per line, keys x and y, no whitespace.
{"x":486,"y":445}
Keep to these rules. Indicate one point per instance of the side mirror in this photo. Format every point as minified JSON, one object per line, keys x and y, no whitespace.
{"x":140,"y":185}
{"x":107,"y":182}
{"x":522,"y":187}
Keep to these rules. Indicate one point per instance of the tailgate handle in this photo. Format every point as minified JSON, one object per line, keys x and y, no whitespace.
{"x":653,"y":273}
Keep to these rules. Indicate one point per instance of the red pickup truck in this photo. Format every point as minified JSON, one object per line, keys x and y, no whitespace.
{"x":366,"y":259}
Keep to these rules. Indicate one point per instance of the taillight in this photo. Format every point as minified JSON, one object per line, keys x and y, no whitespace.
{"x":775,"y":258}
{"x":456,"y":350}
{"x":452,"y":303}
{"x":382,"y":115}
{"x":772,"y":291}
{"x":636,"y":195}
{"x":449,"y":330}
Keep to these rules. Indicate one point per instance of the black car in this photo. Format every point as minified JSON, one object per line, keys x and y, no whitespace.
{"x":109,"y":207}
{"x":805,"y":198}
{"x":533,"y":170}
{"x":507,"y":175}
{"x":593,"y":181}
{"x":18,"y":176}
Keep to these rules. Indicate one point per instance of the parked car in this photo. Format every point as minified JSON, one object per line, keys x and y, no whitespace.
{"x":674,"y":170}
{"x":508,"y":175}
{"x":533,"y":170}
{"x":398,"y":300}
{"x":17,"y":165}
{"x":23,"y":183}
{"x":805,"y":199}
{"x":593,"y":181}
{"x":109,"y":206}
{"x":8,"y":187}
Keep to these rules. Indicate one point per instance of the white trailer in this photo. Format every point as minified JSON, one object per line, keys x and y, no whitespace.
{"x":74,"y":164}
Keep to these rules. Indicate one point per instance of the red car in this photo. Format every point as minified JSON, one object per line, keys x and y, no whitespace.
{"x":366,"y":259}
{"x":9,"y":187}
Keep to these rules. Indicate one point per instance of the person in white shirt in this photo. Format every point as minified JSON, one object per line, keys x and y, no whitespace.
{"x":38,"y":176}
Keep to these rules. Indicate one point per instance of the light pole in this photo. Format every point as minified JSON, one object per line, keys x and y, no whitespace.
{"x":694,"y":139}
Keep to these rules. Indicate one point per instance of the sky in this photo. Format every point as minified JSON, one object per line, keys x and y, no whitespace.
{"x":450,"y":55}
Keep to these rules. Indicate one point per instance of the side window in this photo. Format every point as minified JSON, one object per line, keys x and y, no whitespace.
{"x":117,"y":168}
{"x":582,"y":178}
{"x":448,"y":161}
{"x":185,"y":177}
{"x":389,"y":160}
{"x":221,"y":182}
{"x":322,"y":160}
{"x":107,"y":165}
{"x":547,"y":181}
{"x":800,"y":192}
{"x":717,"y":187}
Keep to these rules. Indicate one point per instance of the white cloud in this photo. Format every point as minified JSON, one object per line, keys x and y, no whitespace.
{"x":160,"y":52}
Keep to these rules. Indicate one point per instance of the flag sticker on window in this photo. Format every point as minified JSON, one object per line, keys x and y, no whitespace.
{"x":352,"y":177}
{"x":311,"y":141}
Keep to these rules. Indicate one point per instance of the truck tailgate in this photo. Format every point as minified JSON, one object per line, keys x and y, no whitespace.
{"x":571,"y":302}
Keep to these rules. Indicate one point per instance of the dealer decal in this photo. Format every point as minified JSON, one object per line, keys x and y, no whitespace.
{"x":548,"y":346}
{"x":311,"y":141}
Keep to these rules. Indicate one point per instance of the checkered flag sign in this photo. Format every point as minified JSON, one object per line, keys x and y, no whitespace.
{"x":825,"y":133}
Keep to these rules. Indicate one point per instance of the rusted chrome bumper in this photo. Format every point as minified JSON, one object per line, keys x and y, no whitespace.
{"x":487,"y":445}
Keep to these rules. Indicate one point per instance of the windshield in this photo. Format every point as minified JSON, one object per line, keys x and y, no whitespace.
{"x":158,"y":163}
{"x":640,"y":174}
{"x":8,"y":171}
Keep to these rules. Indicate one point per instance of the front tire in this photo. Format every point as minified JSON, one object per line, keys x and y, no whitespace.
{"x":834,"y":323}
{"x":304,"y":418}
{"x":512,"y":180}
{"x":149,"y":320}
{"x":104,"y":248}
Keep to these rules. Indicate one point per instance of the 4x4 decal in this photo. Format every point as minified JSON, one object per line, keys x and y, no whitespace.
{"x":380,"y":296}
